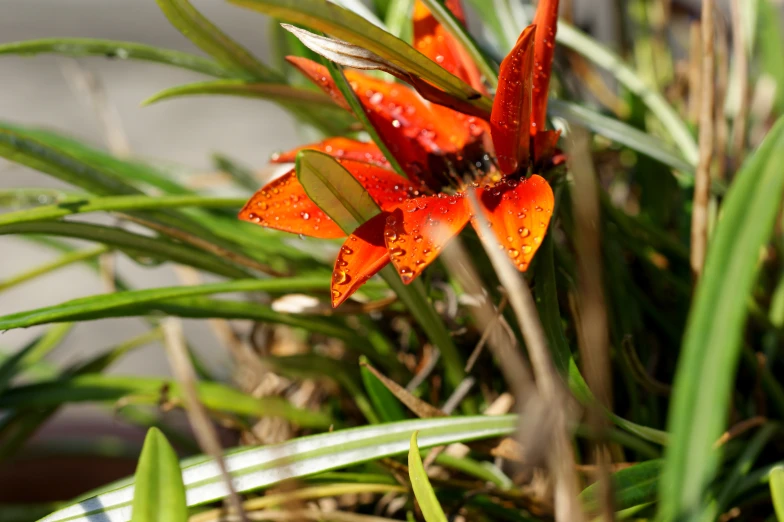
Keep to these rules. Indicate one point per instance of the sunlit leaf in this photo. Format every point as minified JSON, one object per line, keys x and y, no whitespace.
{"x":191,"y":23}
{"x":713,"y":339}
{"x":423,"y":491}
{"x":159,"y":494}
{"x":119,"y":51}
{"x":257,"y":467}
{"x":277,"y":92}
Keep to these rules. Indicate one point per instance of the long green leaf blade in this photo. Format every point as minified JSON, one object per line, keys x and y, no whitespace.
{"x":111,"y":388}
{"x":777,"y":492}
{"x":191,"y":23}
{"x":159,"y":494}
{"x":276,"y":92}
{"x":118,"y":50}
{"x":255,"y":468}
{"x":423,"y":491}
{"x":713,"y":339}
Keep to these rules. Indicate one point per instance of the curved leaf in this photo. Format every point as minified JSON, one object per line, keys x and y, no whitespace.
{"x":423,"y":491}
{"x":118,"y":50}
{"x":777,"y":491}
{"x":277,"y":92}
{"x":160,"y":494}
{"x":255,"y":468}
{"x":111,"y":388}
{"x":351,"y":27}
{"x":160,"y":249}
{"x":633,"y":486}
{"x":84,"y":205}
{"x":624,"y":134}
{"x":713,"y":339}
{"x":191,"y":23}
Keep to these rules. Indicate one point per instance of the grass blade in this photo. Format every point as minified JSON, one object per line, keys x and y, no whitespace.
{"x":136,"y":245}
{"x":777,"y":492}
{"x":85,"y":205}
{"x":159,"y":494}
{"x":191,"y":23}
{"x":423,"y":491}
{"x":713,"y":339}
{"x":148,"y":390}
{"x":255,"y":468}
{"x":277,"y":92}
{"x":118,"y":50}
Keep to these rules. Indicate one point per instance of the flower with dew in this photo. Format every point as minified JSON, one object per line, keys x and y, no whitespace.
{"x":443,"y":152}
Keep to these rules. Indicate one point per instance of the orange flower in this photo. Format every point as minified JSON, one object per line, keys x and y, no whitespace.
{"x":443,"y":152}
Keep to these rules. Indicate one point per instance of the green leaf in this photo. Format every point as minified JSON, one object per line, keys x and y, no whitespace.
{"x":713,"y":339}
{"x":83,"y":205}
{"x":135,"y":245}
{"x":777,"y":492}
{"x":384,"y":402}
{"x":328,"y":184}
{"x":102,"y":305}
{"x":633,"y":486}
{"x":277,"y":92}
{"x":351,"y":27}
{"x":31,"y":354}
{"x":624,"y":134}
{"x":118,"y":50}
{"x":191,"y":23}
{"x":148,"y":390}
{"x":770,"y":42}
{"x":334,"y":190}
{"x":423,"y":491}
{"x":160,"y":494}
{"x":257,"y":467}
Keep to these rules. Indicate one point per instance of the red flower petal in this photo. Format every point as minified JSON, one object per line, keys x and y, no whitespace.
{"x":518,"y":214}
{"x":361,"y":256}
{"x":384,"y":186}
{"x":283,"y":205}
{"x":339,"y":148}
{"x":546,"y":21}
{"x":509,"y":121}
{"x":412,"y":129}
{"x":435,"y":42}
{"x":545,"y":143}
{"x":417,"y":230}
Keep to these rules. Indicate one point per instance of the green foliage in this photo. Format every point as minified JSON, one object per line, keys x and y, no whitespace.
{"x":159,"y":495}
{"x":423,"y":491}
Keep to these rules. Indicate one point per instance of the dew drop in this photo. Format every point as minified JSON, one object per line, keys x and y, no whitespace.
{"x":524,"y":232}
{"x":397,"y":252}
{"x":340,"y":277}
{"x":513,"y":253}
{"x":527,"y":249}
{"x":304,"y":215}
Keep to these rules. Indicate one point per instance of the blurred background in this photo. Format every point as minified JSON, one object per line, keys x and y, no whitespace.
{"x":62,"y":94}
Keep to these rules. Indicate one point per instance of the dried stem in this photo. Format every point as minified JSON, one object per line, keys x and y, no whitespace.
{"x":741,"y":75}
{"x":699,"y":216}
{"x":592,"y":327}
{"x":560,"y":453}
{"x":206,"y":435}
